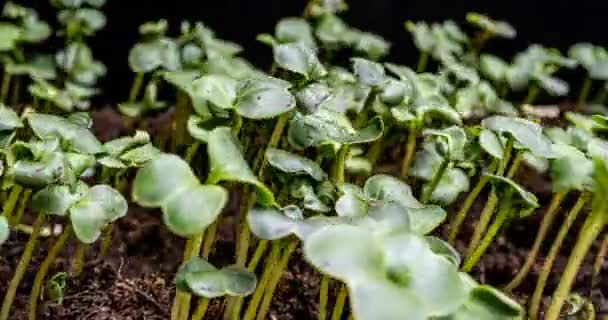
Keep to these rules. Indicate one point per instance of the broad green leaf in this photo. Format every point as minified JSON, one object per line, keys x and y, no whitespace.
{"x":593,"y":58}
{"x":491,"y":143}
{"x":387,"y":188}
{"x":352,"y":203}
{"x":493,"y":67}
{"x":310,"y":201}
{"x":452,"y":143}
{"x":372,"y":300}
{"x":526,"y":132}
{"x":312,"y":96}
{"x":426,"y":162}
{"x":50,"y":168}
{"x":199,"y":277}
{"x":79,"y":162}
{"x":227,"y":163}
{"x":520,"y":199}
{"x":347,"y":253}
{"x":139,"y":156}
{"x":424,"y":220}
{"x":217,"y":89}
{"x":444,"y":249}
{"x":295,"y":164}
{"x":423,"y":37}
{"x":299,"y":58}
{"x":571,"y":169}
{"x":189,"y":211}
{"x":4,"y":230}
{"x":453,"y":182}
{"x":121,"y":145}
{"x":40,"y":66}
{"x":100,"y":206}
{"x":9,"y":36}
{"x":72,"y":136}
{"x":294,"y":30}
{"x":436,"y":106}
{"x":371,"y":45}
{"x":395,"y":92}
{"x":162,"y":178}
{"x":148,"y":56}
{"x":434,"y":279}
{"x":368,"y":72}
{"x":263,"y":98}
{"x":331,"y":31}
{"x":9,"y":119}
{"x":273,"y":224}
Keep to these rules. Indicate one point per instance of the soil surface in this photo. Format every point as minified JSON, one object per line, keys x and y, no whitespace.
{"x":135,"y":280}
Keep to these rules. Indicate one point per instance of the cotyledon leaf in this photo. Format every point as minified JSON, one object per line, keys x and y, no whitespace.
{"x":292,"y":163}
{"x":199,"y":277}
{"x":526,"y":132}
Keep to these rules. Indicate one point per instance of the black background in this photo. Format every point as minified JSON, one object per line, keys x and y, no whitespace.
{"x":557,"y":23}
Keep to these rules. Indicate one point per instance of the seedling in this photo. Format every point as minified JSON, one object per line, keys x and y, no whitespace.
{"x":595,"y":61}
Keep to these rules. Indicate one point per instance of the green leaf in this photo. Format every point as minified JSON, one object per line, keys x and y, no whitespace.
{"x":40,"y":66}
{"x":189,"y":211}
{"x":494,"y":27}
{"x":426,"y":162}
{"x":100,"y":206}
{"x":371,"y":45}
{"x":423,"y":37}
{"x":148,"y":56}
{"x":491,"y":143}
{"x":294,"y":30}
{"x":444,"y":249}
{"x":571,"y":169}
{"x":312,"y":96}
{"x":161,"y":179}
{"x":200,"y":278}
{"x":387,"y":188}
{"x":263,"y":98}
{"x":453,"y":182}
{"x":368,"y":72}
{"x":424,"y":220}
{"x":121,"y":145}
{"x":526,"y":132}
{"x":299,"y":58}
{"x":227,"y":163}
{"x":493,"y":67}
{"x":295,"y":164}
{"x":217,"y":89}
{"x":4,"y":230}
{"x":72,"y":136}
{"x":453,"y":141}
{"x":9,"y":119}
{"x":50,"y":168}
{"x":525,"y":202}
{"x":434,"y":279}
{"x":273,"y":224}
{"x":310,"y":201}
{"x":9,"y":36}
{"x":593,"y":58}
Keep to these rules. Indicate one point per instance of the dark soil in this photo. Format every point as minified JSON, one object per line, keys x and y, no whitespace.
{"x":135,"y":280}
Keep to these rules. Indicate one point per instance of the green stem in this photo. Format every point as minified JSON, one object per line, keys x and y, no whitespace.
{"x":532,"y":94}
{"x":323,"y":297}
{"x":26,"y":257}
{"x":136,"y":87}
{"x":209,"y":240}
{"x":6,"y":80}
{"x":191,"y":151}
{"x":585,"y":89}
{"x":423,"y":60}
{"x":201,"y":309}
{"x":589,"y":232}
{"x":9,"y":205}
{"x":428,"y":192}
{"x":271,"y":265}
{"x":553,"y":252}
{"x":339,"y":165}
{"x":43,"y":270}
{"x":375,"y":151}
{"x":193,"y":251}
{"x":468,"y":203}
{"x":78,"y":260}
{"x":545,"y":225}
{"x":182,"y":113}
{"x":106,"y":240}
{"x":488,"y":209}
{"x":503,"y":214}
{"x":599,"y":261}
{"x":410,"y":149}
{"x":25,"y":199}
{"x":276,"y":277}
{"x":340,"y":301}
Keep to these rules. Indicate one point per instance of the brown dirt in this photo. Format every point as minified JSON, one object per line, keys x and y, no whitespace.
{"x":135,"y":281}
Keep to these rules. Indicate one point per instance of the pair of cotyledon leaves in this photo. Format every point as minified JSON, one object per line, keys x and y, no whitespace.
{"x":90,"y":209}
{"x":189,"y":206}
{"x":537,"y":65}
{"x":390,"y":274}
{"x":442,"y":145}
{"x":438,"y":39}
{"x":593,"y":58}
{"x":383,"y":200}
